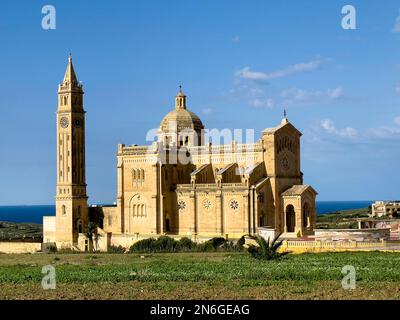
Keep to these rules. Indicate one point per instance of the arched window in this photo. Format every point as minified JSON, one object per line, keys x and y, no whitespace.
{"x":134,"y":210}
{"x":64,"y":210}
{"x":142,"y":172}
{"x":80,"y":226}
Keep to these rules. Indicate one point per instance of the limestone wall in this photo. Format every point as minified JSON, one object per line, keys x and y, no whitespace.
{"x":49,"y":229}
{"x":20,"y":247}
{"x":352,"y":234}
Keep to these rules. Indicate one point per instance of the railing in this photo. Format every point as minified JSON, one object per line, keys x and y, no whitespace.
{"x":233,"y":184}
{"x":334,"y":244}
{"x":138,"y":150}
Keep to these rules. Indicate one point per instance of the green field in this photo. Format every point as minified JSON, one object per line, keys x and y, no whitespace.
{"x":345,"y":219}
{"x":14,"y":230}
{"x":218,"y":275}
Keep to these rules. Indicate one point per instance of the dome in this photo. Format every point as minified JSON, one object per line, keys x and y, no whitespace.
{"x":181,"y":118}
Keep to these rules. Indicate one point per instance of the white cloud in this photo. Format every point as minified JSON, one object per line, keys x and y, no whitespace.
{"x":246,"y":73}
{"x":261,"y":103}
{"x":300,"y":95}
{"x":236,"y":39}
{"x":380,"y":133}
{"x":396,"y":27}
{"x":329,"y":127}
{"x":207,"y":111}
{"x":296,"y":95}
{"x":336,"y":93}
{"x":384,"y":132}
{"x":397,"y":88}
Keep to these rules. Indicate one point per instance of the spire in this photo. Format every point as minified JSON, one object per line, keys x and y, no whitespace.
{"x":180,"y":100}
{"x":285,"y":119}
{"x":70,"y":75}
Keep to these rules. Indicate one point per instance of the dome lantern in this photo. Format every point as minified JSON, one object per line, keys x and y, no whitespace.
{"x":180,"y":100}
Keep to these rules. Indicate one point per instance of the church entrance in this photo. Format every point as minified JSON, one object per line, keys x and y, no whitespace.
{"x":290,"y":218}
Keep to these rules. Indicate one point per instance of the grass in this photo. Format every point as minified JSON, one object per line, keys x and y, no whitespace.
{"x":217,"y":275}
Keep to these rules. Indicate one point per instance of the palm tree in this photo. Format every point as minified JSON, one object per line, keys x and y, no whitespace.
{"x":266,"y":249}
{"x":92,"y":234}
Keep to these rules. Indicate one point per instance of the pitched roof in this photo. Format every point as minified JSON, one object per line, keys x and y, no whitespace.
{"x":284,"y":123}
{"x":298,"y":190}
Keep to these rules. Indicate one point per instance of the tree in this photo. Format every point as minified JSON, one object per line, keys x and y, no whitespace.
{"x":92,"y":234}
{"x":266,"y":249}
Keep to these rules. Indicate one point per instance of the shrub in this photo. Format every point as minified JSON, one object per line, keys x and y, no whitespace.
{"x":116,"y":249}
{"x":266,"y":250}
{"x":145,"y":245}
{"x":185,"y":244}
{"x":168,"y":244}
{"x":217,"y":242}
{"x":240,"y":243}
{"x":205,"y":247}
{"x":211,"y":245}
{"x":49,"y":248}
{"x":164,"y":244}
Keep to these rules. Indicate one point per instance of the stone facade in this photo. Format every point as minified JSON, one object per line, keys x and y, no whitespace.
{"x":182,"y":185}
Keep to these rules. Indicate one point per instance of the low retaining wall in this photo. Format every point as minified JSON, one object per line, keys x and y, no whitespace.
{"x":20,"y":247}
{"x":332,"y":246}
{"x":352,"y":234}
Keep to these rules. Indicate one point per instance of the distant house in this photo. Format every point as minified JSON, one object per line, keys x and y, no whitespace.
{"x":386,"y":208}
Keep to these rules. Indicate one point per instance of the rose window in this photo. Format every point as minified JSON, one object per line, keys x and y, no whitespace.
{"x":207,"y":204}
{"x":234,"y":205}
{"x":181,"y":205}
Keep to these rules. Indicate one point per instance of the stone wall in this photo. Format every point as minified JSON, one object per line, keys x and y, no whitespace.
{"x":352,"y":234}
{"x":49,"y":229}
{"x":20,"y":247}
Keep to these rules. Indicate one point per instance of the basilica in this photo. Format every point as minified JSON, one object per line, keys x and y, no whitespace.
{"x":181,"y":184}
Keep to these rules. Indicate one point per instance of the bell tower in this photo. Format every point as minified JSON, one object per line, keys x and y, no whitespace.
{"x":71,"y":198}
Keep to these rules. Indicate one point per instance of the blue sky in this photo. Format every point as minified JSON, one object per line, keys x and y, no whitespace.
{"x":240,"y":63}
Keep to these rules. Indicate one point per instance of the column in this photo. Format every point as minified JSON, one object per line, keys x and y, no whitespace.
{"x":246,"y":211}
{"x":120,"y":194}
{"x":255,"y":217}
{"x":251,"y":211}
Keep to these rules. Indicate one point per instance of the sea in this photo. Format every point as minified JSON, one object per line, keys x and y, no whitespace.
{"x":34,"y":214}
